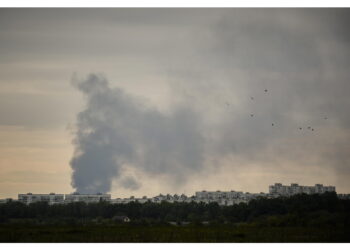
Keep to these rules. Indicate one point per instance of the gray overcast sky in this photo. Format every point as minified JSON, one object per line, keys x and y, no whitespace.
{"x":170,"y":101}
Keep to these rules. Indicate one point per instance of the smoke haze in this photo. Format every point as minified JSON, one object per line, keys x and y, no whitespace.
{"x":181,"y":103}
{"x":117,"y":129}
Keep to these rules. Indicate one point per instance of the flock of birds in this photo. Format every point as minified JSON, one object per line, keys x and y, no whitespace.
{"x":273,"y":124}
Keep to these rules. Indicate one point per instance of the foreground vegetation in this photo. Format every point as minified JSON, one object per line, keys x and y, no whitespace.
{"x":168,"y":233}
{"x":301,"y":218}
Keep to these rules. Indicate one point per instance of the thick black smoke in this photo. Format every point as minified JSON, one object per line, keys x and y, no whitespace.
{"x":117,"y":130}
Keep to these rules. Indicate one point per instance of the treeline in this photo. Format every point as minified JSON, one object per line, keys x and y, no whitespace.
{"x":298,"y":210}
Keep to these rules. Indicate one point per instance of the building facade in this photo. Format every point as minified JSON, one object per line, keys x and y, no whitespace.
{"x":88,"y":198}
{"x":226,"y":198}
{"x":51,"y":198}
{"x":280,"y":190}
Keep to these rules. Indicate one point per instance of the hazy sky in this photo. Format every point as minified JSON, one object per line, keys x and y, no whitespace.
{"x":149,"y":101}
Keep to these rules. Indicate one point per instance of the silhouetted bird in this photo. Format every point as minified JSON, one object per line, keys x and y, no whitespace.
{"x":265,"y":90}
{"x":312,"y":129}
{"x":251,"y":98}
{"x":300,"y":128}
{"x":251,"y":115}
{"x":272,"y":124}
{"x":309,"y":127}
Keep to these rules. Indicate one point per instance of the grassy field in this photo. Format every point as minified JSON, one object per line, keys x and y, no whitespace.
{"x":300,"y":218}
{"x":168,"y":233}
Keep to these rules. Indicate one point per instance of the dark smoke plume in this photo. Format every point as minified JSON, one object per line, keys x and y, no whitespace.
{"x":117,"y":130}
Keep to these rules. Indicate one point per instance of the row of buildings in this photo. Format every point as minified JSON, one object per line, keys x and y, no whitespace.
{"x":53,"y":198}
{"x":294,"y":188}
{"x":221,"y":197}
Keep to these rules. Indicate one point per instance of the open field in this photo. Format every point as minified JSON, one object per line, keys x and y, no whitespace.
{"x":300,"y":218}
{"x":167,"y":233}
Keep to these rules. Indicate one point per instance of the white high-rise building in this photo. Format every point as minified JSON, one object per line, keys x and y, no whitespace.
{"x":294,"y":188}
{"x":51,"y":198}
{"x":226,"y":197}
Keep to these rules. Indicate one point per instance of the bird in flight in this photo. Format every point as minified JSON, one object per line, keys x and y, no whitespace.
{"x":265,"y":90}
{"x":251,"y":115}
{"x":300,"y":128}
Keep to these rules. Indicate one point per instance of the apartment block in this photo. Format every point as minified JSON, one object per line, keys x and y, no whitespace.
{"x":51,"y":198}
{"x":280,"y":190}
{"x":88,"y":198}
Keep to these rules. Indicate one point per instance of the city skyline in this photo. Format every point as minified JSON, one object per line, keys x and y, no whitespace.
{"x":274,"y":190}
{"x":141,"y":101}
